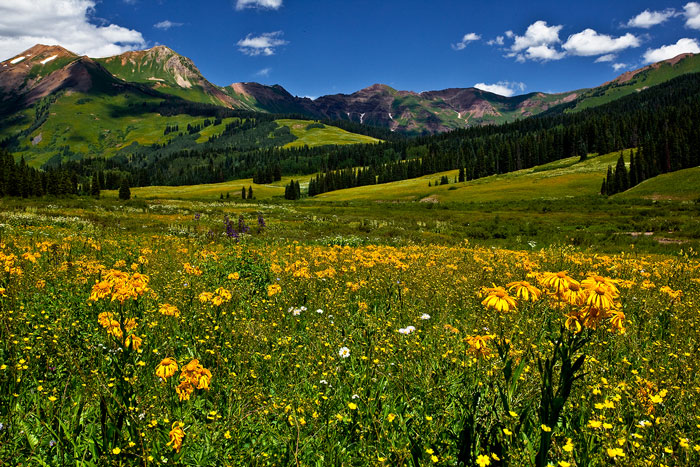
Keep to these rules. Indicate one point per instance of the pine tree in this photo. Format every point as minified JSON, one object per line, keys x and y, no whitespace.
{"x":243,"y":192}
{"x":621,"y":178}
{"x":602,"y":188}
{"x":460,"y":178}
{"x":124,"y":190}
{"x":95,"y":186}
{"x":250,"y":192}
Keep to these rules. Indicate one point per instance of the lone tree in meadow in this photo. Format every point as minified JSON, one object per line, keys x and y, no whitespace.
{"x":124,"y":190}
{"x":250,"y":192}
{"x":242,"y":192}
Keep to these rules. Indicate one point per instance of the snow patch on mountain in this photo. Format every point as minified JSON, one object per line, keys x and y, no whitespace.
{"x":47,"y":60}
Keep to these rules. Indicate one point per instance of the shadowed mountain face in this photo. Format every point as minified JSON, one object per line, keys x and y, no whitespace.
{"x":45,"y":70}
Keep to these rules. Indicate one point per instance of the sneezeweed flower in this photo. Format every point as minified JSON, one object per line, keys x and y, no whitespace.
{"x":483,"y":461}
{"x":600,"y":298}
{"x":557,"y":282}
{"x":234,"y":276}
{"x":615,"y":452}
{"x":134,"y":341}
{"x":166,"y":368}
{"x":499,"y":300}
{"x":575,"y":294}
{"x":478,"y":345}
{"x":617,"y":322}
{"x":344,"y":352}
{"x":524,"y":290}
{"x":593,"y":282}
{"x":176,"y":435}
{"x":273,"y":289}
{"x":169,"y":310}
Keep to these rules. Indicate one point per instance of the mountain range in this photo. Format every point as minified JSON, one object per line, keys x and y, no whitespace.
{"x":51,"y":98}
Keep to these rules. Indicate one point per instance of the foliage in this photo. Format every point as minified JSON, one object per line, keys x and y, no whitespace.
{"x":133,"y":346}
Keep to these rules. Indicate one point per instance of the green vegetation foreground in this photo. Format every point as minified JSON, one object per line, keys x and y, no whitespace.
{"x":133,"y":338}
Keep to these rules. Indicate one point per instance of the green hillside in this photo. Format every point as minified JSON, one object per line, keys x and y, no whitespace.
{"x":566,"y":178}
{"x":311,"y":134}
{"x":647,"y":77}
{"x":683,"y":185}
{"x":212,"y":191}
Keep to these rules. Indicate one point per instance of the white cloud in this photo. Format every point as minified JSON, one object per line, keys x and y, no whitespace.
{"x":538,"y":33}
{"x":588,"y":43}
{"x":265,"y":72}
{"x":497,"y":41}
{"x":269,"y":4}
{"x":606,"y":58}
{"x":264,"y":44}
{"x":684,"y":45}
{"x":167,"y":24}
{"x":692,"y":15}
{"x":647,"y":19}
{"x":537,"y":43}
{"x":25,"y":23}
{"x":466,"y":40}
{"x":542,"y":52}
{"x":503,"y":88}
{"x":619,"y":66}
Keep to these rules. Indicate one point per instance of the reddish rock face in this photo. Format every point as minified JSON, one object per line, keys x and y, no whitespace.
{"x":22,"y":74}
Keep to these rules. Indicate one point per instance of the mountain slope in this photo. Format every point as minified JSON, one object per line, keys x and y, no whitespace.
{"x":443,"y":110}
{"x":170,"y":73}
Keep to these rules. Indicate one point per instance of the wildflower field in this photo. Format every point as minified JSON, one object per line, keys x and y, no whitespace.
{"x":180,"y":337}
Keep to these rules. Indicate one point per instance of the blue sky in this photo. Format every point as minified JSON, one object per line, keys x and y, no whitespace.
{"x":321,"y":47}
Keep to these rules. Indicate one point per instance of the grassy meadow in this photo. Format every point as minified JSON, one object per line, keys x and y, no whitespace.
{"x":162,"y":332}
{"x":328,"y":135}
{"x":521,"y":320}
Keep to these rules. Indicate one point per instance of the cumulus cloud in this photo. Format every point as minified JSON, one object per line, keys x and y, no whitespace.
{"x":167,"y":24}
{"x":589,"y":43}
{"x":619,"y":66}
{"x":503,"y":88}
{"x":543,"y":53}
{"x":24,"y":23}
{"x":538,"y":43}
{"x":267,"y":4}
{"x":264,"y":44}
{"x":538,"y":33}
{"x":647,"y":19}
{"x":471,"y":37}
{"x":683,"y":46}
{"x":692,"y":15}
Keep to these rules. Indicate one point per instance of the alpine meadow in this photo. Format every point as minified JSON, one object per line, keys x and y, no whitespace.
{"x":503,"y":271}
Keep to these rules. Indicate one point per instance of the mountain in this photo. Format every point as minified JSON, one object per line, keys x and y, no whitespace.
{"x":56,"y":105}
{"x":444,"y":110}
{"x":170,"y":73}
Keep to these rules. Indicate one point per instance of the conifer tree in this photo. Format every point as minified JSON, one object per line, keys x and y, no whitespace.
{"x":243,"y":192}
{"x":95,"y":186}
{"x":124,"y":190}
{"x":250,"y":192}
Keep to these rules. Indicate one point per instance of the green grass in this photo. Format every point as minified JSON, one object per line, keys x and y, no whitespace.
{"x":212,"y":191}
{"x":561,"y":179}
{"x":329,"y":135}
{"x":683,"y":185}
{"x":92,"y":125}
